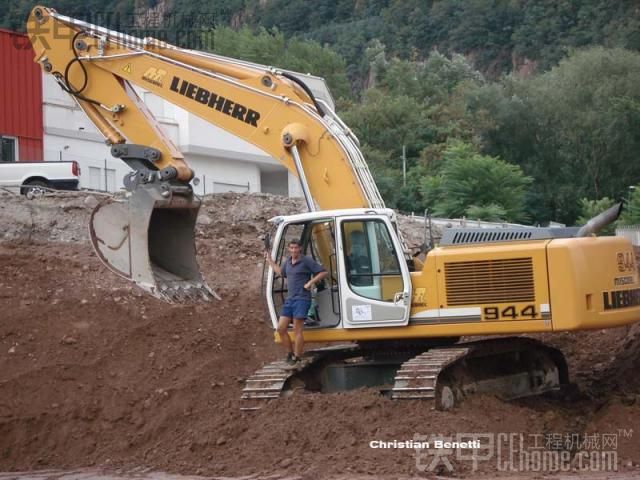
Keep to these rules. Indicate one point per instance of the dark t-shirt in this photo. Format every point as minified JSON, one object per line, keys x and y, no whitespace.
{"x":298,"y":274}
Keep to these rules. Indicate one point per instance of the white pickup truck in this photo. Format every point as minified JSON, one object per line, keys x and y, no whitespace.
{"x":36,"y":177}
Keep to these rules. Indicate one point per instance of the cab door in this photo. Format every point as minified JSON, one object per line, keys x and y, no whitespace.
{"x":375,"y":285}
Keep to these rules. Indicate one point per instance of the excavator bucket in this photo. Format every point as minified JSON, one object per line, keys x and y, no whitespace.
{"x":150,"y":240}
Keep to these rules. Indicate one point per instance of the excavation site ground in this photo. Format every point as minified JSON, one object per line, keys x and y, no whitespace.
{"x":97,"y":376}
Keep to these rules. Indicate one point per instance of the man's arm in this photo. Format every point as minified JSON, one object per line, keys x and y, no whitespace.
{"x":274,"y":265}
{"x":316,"y":278}
{"x":318,"y":271}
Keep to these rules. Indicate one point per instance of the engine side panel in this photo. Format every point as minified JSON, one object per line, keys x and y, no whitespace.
{"x":594,"y":283}
{"x":494,"y":283}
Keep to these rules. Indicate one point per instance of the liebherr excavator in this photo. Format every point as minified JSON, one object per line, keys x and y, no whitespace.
{"x":396,"y":318}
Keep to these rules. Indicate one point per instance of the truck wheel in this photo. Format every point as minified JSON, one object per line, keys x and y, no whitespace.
{"x":34,"y":189}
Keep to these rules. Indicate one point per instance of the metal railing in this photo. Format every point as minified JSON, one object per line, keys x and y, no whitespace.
{"x":631,"y":232}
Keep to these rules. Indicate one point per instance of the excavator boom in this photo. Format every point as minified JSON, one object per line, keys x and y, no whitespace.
{"x":149,"y":239}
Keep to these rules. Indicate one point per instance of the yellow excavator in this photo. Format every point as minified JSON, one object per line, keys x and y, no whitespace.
{"x":395,"y":319}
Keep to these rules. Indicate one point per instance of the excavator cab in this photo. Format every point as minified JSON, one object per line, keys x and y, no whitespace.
{"x":369,"y":283}
{"x":317,"y":236}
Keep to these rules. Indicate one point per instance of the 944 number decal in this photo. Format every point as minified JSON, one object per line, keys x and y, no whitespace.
{"x":510,"y":312}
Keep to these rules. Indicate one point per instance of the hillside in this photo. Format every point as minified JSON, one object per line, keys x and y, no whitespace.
{"x":499,"y":36}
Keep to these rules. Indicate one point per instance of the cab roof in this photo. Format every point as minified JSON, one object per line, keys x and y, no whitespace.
{"x":310,"y":216}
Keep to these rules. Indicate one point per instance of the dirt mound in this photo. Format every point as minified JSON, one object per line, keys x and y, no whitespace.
{"x":94,"y":373}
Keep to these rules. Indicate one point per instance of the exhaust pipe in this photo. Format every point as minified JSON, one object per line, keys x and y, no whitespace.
{"x":600,"y":221}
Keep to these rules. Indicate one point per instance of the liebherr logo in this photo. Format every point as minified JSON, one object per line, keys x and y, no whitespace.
{"x":621,"y":299}
{"x":154,"y":75}
{"x":212,"y":100}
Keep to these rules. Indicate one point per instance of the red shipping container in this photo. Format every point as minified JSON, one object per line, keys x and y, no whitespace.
{"x":20,"y":95}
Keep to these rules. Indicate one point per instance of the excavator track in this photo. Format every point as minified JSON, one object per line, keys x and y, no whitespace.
{"x":265,"y":384}
{"x":511,"y":367}
{"x":274,"y":380}
{"x":270,"y":382}
{"x":417,"y":378}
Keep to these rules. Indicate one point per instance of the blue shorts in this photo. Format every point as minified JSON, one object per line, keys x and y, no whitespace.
{"x":295,"y":308}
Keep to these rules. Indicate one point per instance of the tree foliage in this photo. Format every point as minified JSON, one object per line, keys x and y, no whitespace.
{"x":420,"y":105}
{"x":497,"y":34}
{"x":575,"y":129}
{"x":272,"y":49}
{"x":631,"y":212}
{"x":471,"y":184}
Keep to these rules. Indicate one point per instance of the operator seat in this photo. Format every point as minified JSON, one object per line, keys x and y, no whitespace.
{"x":358,"y":261}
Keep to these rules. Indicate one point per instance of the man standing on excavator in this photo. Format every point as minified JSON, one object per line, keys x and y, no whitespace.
{"x":301,"y":272}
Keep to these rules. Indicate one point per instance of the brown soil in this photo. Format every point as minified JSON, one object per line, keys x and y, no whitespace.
{"x":95,"y":373}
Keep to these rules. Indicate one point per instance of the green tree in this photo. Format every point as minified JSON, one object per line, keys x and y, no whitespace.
{"x":273,"y":49}
{"x":489,"y":213}
{"x":421,"y":105}
{"x":575,"y":129}
{"x":385,"y":122}
{"x":473,"y":184}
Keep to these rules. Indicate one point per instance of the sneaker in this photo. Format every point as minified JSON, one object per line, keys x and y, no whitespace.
{"x":290,"y":358}
{"x":294,"y":364}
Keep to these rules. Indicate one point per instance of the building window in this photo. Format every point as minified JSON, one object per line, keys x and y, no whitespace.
{"x":8,"y":149}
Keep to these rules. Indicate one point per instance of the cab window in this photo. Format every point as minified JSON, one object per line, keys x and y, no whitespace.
{"x":371,"y":260}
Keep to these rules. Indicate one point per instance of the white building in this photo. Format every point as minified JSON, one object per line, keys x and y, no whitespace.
{"x":222,"y":162}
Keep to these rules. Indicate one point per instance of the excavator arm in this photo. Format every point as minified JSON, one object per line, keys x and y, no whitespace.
{"x":149,"y":238}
